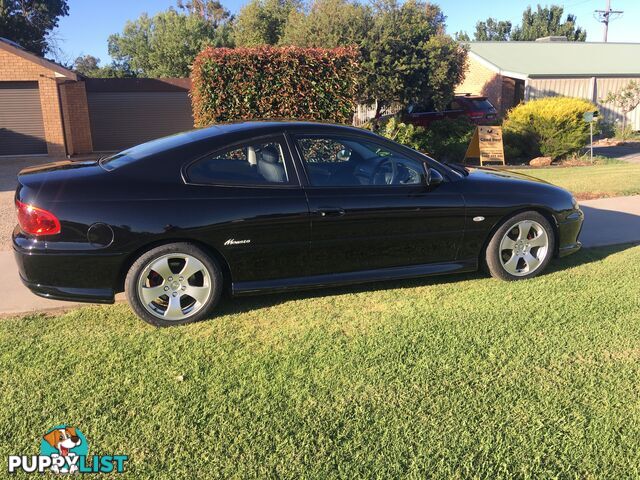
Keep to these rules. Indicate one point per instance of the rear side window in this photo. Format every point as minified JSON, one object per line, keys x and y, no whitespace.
{"x":254,"y":163}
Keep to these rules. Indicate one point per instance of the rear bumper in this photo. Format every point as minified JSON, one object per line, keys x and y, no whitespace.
{"x":568,"y":233}
{"x":71,"y":276}
{"x":70,"y":294}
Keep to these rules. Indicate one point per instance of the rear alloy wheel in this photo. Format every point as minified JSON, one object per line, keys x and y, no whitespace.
{"x":174,"y":284}
{"x":521,"y":248}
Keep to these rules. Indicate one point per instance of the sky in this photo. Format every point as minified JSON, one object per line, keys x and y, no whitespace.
{"x":90,"y":22}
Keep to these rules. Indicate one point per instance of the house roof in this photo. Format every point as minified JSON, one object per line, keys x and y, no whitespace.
{"x":16,"y":49}
{"x":551,"y":59}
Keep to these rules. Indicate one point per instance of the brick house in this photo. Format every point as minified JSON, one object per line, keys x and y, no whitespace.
{"x":511,"y":72}
{"x":43,"y":107}
{"x":50,"y":110}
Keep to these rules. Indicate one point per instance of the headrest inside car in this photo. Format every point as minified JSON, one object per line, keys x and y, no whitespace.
{"x":251,"y":156}
{"x":270,"y":155}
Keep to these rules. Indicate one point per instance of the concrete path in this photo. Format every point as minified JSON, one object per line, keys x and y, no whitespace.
{"x":629,"y":152}
{"x":18,"y":298}
{"x":608,"y":221}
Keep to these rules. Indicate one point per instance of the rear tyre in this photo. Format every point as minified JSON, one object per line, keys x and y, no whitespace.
{"x":174,"y":284}
{"x":521,"y":248}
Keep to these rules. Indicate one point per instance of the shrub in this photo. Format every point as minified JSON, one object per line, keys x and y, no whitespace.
{"x":406,"y":134}
{"x":552,"y":126}
{"x":269,"y":82}
{"x":623,"y":131}
{"x":445,"y":140}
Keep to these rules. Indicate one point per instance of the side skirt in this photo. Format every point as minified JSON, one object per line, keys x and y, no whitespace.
{"x":352,"y":278}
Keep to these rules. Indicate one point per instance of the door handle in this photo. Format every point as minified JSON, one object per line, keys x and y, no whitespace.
{"x":330,"y":211}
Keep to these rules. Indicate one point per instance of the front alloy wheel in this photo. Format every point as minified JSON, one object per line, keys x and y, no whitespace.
{"x":521,"y":248}
{"x":174,"y":284}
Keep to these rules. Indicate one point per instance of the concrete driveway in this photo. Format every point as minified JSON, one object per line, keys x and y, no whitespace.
{"x":629,"y":152}
{"x":608,"y":221}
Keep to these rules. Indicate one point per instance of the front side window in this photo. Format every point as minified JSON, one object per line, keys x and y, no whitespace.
{"x":335,"y":161}
{"x":255,"y":163}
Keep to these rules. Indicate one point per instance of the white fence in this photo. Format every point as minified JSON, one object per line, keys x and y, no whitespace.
{"x":364,"y":113}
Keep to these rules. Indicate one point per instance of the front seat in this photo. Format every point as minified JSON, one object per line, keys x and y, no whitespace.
{"x":269,"y":166}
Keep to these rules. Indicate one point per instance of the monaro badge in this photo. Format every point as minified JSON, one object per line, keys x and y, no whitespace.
{"x":233,"y":241}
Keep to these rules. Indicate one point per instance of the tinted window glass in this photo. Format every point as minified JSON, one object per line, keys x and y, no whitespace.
{"x":344,"y":161}
{"x":481,"y":105}
{"x":153,"y":147}
{"x":259,"y":163}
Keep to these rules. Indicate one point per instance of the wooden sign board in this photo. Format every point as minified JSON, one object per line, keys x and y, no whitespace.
{"x":486,"y":145}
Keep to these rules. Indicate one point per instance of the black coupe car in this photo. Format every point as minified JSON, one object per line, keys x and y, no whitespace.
{"x":272,"y":206}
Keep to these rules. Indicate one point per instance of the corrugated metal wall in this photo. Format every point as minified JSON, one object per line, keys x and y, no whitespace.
{"x":123,"y":119}
{"x":21,"y":125}
{"x":611,"y":114}
{"x":592,"y":89}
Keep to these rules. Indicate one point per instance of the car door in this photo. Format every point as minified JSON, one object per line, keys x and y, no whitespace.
{"x":370,"y":207}
{"x":251,"y":208}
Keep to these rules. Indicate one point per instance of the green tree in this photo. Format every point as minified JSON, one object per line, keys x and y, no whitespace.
{"x":210,"y":10}
{"x":166,"y":44}
{"x":462,"y":36}
{"x":544,"y":22}
{"x":547,"y":21}
{"x":89,"y":66}
{"x":86,"y":65}
{"x":262,"y":22}
{"x":492,"y":30}
{"x":29,"y":22}
{"x":407,"y":57}
{"x":626,"y":99}
{"x":328,"y":24}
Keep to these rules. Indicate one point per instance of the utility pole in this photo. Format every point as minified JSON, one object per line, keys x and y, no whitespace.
{"x":605,"y":16}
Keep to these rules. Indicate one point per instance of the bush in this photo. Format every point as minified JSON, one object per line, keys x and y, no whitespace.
{"x":269,"y":82}
{"x":553,"y":127}
{"x":445,"y":140}
{"x":623,"y":131}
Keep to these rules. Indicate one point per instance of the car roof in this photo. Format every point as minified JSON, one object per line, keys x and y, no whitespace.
{"x":470,"y":96}
{"x":203,"y":138}
{"x":256,"y":126}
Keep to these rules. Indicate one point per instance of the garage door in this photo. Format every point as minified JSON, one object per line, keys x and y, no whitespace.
{"x":21,"y":126}
{"x":123,"y":119}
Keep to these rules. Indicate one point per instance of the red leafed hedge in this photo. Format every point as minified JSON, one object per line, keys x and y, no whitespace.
{"x":270,"y":82}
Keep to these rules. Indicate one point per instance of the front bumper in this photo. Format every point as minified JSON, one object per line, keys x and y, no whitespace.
{"x":568,"y":232}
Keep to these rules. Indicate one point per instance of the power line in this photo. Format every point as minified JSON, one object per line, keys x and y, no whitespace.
{"x":606,"y":16}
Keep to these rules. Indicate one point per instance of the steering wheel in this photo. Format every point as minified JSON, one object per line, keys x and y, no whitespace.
{"x":384,"y":163}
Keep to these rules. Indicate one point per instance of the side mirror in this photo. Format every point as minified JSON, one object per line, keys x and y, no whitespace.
{"x":431,"y":176}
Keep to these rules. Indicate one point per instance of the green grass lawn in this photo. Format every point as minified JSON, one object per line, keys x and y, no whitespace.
{"x":609,"y":180}
{"x":448,"y":377}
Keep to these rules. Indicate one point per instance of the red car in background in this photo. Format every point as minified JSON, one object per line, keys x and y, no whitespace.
{"x":476,"y":108}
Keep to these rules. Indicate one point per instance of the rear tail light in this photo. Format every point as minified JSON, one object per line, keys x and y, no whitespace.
{"x":476,"y":115}
{"x":36,"y":221}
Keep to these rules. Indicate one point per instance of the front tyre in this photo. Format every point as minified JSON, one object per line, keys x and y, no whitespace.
{"x":174,"y":284}
{"x":521,"y":248}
